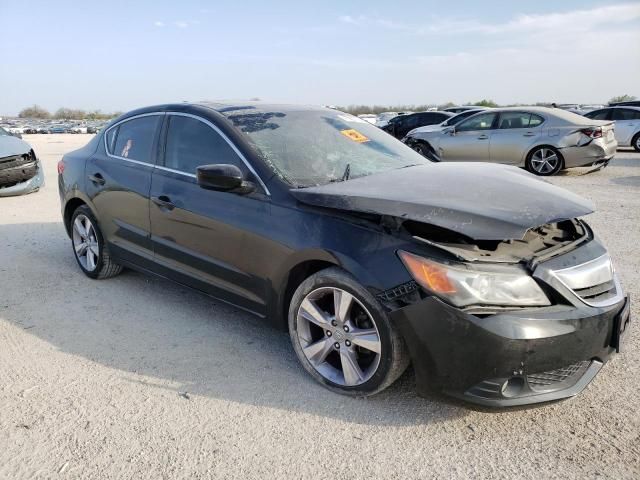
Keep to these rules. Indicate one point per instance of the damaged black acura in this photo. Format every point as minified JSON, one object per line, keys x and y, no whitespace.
{"x":484,"y":278}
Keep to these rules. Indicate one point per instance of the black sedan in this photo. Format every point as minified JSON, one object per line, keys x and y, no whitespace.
{"x":402,"y":124}
{"x":370,"y":256}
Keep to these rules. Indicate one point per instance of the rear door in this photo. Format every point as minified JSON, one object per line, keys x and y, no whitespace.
{"x":202,"y":237}
{"x":627,"y":124}
{"x":516,"y":134}
{"x":470,"y":140}
{"x":118,"y":183}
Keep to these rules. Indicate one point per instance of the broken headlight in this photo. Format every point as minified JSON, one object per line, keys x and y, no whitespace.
{"x":462,"y":285}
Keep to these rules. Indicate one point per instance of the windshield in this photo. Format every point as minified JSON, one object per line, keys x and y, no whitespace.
{"x":315,"y":147}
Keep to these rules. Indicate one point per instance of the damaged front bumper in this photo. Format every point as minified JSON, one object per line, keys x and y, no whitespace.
{"x":509,"y":359}
{"x":522,"y":356}
{"x":19,"y":175}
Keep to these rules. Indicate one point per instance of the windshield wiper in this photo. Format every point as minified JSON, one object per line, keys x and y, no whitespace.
{"x":347,"y":172}
{"x":345,"y":175}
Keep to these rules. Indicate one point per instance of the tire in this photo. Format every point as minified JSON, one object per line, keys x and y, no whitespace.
{"x":96,"y":262}
{"x":635,"y":142}
{"x":544,"y":161}
{"x":426,"y":151}
{"x":363,"y":322}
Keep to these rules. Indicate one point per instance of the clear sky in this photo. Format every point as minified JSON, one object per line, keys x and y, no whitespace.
{"x":117,"y":55}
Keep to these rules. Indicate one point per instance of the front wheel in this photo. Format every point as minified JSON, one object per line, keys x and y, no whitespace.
{"x":544,"y":161}
{"x":426,"y":151}
{"x":342,"y":336}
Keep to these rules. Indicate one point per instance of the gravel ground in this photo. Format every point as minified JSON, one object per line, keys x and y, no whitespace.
{"x":139,"y":378}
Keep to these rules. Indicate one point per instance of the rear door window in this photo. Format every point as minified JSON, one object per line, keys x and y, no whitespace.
{"x":192,"y":143}
{"x":625,"y":114}
{"x":133,"y":139}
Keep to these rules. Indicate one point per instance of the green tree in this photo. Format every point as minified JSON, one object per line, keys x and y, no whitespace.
{"x":622,"y":98}
{"x":34,"y":111}
{"x":485,"y":103}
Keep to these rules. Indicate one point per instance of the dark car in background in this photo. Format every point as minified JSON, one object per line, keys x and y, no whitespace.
{"x":368,"y":254}
{"x":401,"y":125}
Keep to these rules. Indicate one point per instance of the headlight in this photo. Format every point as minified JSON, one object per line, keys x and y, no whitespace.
{"x":462,"y":286}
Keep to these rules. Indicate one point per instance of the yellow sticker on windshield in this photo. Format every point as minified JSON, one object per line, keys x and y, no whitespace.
{"x":354,"y":135}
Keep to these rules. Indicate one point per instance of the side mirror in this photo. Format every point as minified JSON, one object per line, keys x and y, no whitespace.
{"x":450,"y":130}
{"x":224,"y":178}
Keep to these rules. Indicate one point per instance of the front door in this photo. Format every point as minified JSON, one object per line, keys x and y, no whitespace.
{"x":200,"y":236}
{"x":470,"y":140}
{"x":118,"y":183}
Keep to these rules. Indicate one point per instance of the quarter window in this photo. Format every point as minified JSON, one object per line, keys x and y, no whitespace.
{"x":133,"y":139}
{"x":482,"y":121}
{"x":192,"y":143}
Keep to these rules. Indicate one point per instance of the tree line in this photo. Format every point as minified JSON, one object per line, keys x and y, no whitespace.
{"x":35,"y":111}
{"x":376,"y":109}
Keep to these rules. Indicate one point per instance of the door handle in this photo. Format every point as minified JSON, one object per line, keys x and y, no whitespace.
{"x":529,"y":134}
{"x":97,"y":179}
{"x":163,"y":202}
{"x":483,"y":137}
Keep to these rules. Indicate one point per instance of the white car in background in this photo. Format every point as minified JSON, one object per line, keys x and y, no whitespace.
{"x":383,"y":118}
{"x":368,"y":117}
{"x":627,"y":124}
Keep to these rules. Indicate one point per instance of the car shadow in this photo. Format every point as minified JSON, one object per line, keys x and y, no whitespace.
{"x":174,"y":338}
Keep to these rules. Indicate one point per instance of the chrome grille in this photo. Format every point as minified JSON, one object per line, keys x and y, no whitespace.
{"x":544,"y":380}
{"x":599,"y":292}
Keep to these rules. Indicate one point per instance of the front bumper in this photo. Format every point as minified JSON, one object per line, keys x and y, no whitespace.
{"x":21,"y":179}
{"x":508,"y":359}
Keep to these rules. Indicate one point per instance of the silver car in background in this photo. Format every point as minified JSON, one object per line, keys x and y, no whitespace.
{"x":627,"y":122}
{"x":543,"y":140}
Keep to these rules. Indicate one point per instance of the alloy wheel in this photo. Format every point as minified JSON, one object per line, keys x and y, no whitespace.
{"x":85,"y":243}
{"x":544,"y":160}
{"x":338,"y":336}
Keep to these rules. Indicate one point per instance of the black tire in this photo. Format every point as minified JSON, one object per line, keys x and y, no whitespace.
{"x":393,"y":357}
{"x":105,"y":267}
{"x":426,"y":151}
{"x":635,"y":142}
{"x":530,"y":163}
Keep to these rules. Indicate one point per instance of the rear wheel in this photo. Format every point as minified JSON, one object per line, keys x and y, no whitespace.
{"x":544,"y":161}
{"x":88,"y":246}
{"x":343,"y":337}
{"x":635,"y":143}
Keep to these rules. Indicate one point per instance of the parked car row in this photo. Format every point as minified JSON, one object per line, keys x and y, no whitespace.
{"x":29,"y":127}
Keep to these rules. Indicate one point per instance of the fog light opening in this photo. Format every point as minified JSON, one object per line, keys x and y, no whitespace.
{"x":512,"y":387}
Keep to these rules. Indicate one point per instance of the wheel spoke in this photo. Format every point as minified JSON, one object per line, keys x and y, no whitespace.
{"x":93,"y":248}
{"x":366,"y":338}
{"x":317,"y":352}
{"x":79,"y":227}
{"x":81,"y":248}
{"x":342,"y":301}
{"x":310,"y":312}
{"x":91,"y":263}
{"x":351,"y":370}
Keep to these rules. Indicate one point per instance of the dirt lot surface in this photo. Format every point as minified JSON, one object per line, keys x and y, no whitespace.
{"x":136,"y":377}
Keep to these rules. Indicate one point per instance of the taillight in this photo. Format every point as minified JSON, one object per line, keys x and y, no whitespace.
{"x":60,"y":167}
{"x":592,"y":132}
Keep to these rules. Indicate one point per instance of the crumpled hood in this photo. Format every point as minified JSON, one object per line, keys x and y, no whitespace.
{"x":480,"y":200}
{"x":10,"y":146}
